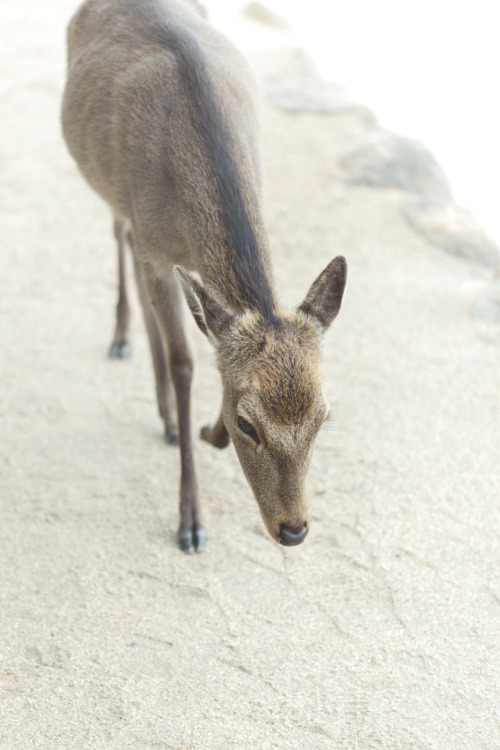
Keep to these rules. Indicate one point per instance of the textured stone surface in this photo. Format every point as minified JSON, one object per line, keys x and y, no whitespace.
{"x":391,"y":161}
{"x":301,"y":89}
{"x":453,"y":229}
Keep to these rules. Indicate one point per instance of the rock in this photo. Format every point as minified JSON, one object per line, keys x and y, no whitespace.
{"x":486,"y":306}
{"x":301,"y":89}
{"x":261,"y":13}
{"x":392,"y":161}
{"x":453,"y":229}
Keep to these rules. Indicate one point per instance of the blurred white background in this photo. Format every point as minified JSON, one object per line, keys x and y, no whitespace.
{"x":428,"y":70}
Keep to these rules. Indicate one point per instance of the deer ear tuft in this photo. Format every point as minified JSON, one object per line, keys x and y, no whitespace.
{"x":210,"y":313}
{"x":323,"y":300}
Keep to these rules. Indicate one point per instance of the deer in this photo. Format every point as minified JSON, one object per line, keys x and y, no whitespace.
{"x":161,"y":114}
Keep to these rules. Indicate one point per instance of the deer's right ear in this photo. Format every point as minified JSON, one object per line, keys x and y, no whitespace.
{"x":210,"y":313}
{"x":323,"y":300}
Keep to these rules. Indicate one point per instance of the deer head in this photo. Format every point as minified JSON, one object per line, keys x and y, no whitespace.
{"x":273,"y":401}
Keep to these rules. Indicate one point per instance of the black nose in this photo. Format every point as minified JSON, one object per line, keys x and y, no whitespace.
{"x":290,"y":537}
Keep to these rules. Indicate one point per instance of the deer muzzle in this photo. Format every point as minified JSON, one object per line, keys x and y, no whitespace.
{"x":290,"y":536}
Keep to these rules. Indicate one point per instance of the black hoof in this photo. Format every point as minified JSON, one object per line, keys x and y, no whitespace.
{"x":185,"y":539}
{"x":171,"y":437}
{"x":200,"y":538}
{"x":190,"y":539}
{"x":120,"y":350}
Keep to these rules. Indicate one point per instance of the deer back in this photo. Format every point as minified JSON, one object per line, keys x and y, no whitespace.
{"x":160,"y":115}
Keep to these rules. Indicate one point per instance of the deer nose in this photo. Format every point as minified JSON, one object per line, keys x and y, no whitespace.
{"x":290,"y":537}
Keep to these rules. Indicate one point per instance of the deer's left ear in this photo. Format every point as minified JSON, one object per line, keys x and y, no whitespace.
{"x":323,"y":300}
{"x":210,"y":313}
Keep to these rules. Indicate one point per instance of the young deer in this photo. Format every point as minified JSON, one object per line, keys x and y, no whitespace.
{"x":159,"y":113}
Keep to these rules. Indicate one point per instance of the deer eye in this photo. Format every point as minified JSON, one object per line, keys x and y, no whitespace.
{"x":247,"y":428}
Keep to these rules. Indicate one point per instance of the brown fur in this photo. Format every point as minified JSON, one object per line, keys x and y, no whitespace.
{"x":160,"y":114}
{"x":288,"y":375}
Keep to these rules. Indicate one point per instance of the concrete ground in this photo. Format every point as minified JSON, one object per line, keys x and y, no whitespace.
{"x":382,"y":630}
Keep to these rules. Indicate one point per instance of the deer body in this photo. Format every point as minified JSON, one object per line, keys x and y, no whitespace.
{"x":160,"y":114}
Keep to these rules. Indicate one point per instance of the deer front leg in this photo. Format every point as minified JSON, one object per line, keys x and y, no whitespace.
{"x":167,"y":303}
{"x":120,"y":346}
{"x":164,"y":391}
{"x":216,"y":434}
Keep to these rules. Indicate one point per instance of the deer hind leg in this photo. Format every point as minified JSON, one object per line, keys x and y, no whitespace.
{"x":167,"y":300}
{"x":120,"y":346}
{"x":216,"y":434}
{"x":164,"y":391}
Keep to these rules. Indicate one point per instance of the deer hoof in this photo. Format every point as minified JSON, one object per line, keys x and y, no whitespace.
{"x":120,"y":350}
{"x":185,"y":539}
{"x":171,"y":437}
{"x":192,"y":538}
{"x":200,"y":538}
